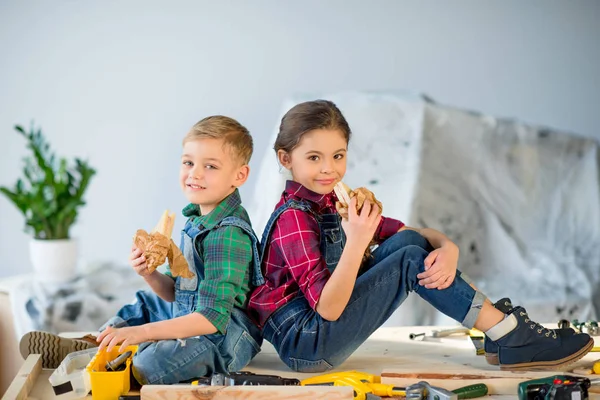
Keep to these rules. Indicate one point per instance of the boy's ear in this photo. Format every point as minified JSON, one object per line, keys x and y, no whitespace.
{"x":284,"y":158}
{"x":241,"y":175}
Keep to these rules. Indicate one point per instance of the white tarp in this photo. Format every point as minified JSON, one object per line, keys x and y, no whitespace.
{"x":522,"y":202}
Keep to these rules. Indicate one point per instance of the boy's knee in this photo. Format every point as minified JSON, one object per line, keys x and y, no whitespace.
{"x":308,"y":366}
{"x":141,"y":366}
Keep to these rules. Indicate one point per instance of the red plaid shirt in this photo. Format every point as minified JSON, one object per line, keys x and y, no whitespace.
{"x":292,"y":261}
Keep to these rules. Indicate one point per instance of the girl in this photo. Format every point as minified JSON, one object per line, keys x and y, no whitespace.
{"x":316,"y":308}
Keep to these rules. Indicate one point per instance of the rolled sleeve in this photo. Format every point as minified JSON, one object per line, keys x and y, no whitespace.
{"x":297,"y":240}
{"x":227,"y":254}
{"x":387,"y":227}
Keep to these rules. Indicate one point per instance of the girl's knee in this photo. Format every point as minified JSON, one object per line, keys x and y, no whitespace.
{"x":411,"y":237}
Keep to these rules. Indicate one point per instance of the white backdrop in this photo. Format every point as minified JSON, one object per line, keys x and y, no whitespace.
{"x":119,"y":83}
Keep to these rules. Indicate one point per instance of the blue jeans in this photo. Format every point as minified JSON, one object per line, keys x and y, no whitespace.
{"x":178,"y":360}
{"x":306,"y":342}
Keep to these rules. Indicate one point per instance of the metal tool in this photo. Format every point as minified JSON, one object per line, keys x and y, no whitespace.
{"x":442,"y":333}
{"x":119,"y":363}
{"x":589,"y":327}
{"x":244,"y":378}
{"x":423,"y":390}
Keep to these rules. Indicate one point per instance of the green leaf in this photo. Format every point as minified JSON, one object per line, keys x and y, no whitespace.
{"x":53,"y":195}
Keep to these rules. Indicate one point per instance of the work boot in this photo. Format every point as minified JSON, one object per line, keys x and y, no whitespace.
{"x":491,"y":348}
{"x":525,"y":345}
{"x":53,"y":348}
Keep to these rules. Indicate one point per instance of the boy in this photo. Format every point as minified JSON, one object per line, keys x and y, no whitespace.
{"x":192,"y":327}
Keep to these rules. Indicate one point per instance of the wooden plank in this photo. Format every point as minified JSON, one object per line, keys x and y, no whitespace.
{"x":500,"y":382}
{"x":188,"y":392}
{"x":26,"y":377}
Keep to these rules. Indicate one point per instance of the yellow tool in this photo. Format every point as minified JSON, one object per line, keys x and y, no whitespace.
{"x":596,"y":367}
{"x":366,"y":386}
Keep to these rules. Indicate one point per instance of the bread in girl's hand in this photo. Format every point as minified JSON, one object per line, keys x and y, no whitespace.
{"x":157,"y":246}
{"x":345,"y":194}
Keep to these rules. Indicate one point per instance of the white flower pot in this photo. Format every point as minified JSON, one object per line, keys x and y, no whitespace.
{"x":53,"y":261}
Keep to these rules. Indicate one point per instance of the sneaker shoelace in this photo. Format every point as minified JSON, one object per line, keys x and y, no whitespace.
{"x":540,"y":328}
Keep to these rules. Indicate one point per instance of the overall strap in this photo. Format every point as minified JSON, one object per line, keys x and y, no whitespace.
{"x":257,"y":278}
{"x":295,"y":204}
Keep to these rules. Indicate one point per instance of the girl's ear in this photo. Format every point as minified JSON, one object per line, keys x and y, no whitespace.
{"x":241,"y":176}
{"x":284,"y":158}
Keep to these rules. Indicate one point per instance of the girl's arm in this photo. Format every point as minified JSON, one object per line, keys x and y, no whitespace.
{"x":436,"y":238}
{"x":359,"y":232}
{"x":441,"y":263}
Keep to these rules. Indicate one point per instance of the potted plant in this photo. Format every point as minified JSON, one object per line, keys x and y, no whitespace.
{"x":49,"y":196}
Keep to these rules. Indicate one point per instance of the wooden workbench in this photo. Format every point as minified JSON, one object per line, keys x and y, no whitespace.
{"x":448,"y":362}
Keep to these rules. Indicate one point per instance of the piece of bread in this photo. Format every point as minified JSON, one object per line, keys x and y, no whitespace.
{"x":345,"y":194}
{"x":157,"y":246}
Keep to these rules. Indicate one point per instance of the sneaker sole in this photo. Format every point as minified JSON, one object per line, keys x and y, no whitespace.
{"x":544,"y":365}
{"x":492,"y":358}
{"x":51,"y":347}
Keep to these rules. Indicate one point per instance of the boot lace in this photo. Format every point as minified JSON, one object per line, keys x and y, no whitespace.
{"x":540,"y":329}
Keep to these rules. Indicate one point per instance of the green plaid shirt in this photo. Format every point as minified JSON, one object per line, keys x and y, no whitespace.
{"x":227,"y":256}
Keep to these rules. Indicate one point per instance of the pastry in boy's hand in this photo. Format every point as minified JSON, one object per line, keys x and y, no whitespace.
{"x":345,"y":194}
{"x":157,"y":246}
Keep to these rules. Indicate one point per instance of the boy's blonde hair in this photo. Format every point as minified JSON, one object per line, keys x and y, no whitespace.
{"x":234,"y":135}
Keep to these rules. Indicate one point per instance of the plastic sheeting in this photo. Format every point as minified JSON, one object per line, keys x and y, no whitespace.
{"x":522,"y":202}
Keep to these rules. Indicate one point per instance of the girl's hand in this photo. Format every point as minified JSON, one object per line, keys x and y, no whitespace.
{"x":440,"y":267}
{"x":138,"y":262}
{"x":360,"y":229}
{"x":126,"y":336}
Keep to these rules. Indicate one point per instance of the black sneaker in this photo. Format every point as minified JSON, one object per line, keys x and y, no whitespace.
{"x":491,"y":348}
{"x":527,"y":345}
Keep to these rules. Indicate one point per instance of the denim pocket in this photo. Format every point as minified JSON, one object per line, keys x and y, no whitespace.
{"x":243,"y":352}
{"x":301,"y":365}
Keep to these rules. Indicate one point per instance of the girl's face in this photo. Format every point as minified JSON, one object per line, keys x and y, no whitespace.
{"x":318,"y":162}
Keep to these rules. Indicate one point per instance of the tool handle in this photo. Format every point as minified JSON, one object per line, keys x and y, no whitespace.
{"x":472,"y":391}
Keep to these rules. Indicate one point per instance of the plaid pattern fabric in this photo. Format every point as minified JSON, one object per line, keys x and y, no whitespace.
{"x":292,"y":260}
{"x":227,"y":255}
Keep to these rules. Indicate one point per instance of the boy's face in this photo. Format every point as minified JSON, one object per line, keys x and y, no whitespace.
{"x":319,"y":160}
{"x":209,"y":172}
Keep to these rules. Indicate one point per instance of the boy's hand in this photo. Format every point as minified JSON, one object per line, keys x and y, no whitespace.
{"x":361,"y":228}
{"x":440,"y":267}
{"x":138,"y":262}
{"x":126,"y":336}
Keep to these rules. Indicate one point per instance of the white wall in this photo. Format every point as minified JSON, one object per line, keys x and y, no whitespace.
{"x":120,"y":82}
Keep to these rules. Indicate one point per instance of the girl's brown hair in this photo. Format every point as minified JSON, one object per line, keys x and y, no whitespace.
{"x":306,"y":117}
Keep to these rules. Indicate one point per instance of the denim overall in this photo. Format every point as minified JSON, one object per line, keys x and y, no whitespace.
{"x":306,"y":342}
{"x":178,"y":360}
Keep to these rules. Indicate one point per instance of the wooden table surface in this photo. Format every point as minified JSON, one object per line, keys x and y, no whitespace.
{"x":449,"y":362}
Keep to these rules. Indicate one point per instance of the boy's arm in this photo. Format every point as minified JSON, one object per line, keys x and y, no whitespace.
{"x":190,"y":325}
{"x":161,"y":284}
{"x":227,"y":256}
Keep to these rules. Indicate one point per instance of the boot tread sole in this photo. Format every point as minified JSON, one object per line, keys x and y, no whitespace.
{"x":52,"y":348}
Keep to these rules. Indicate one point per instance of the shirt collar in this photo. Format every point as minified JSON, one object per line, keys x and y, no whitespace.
{"x":293,"y":188}
{"x":224,"y":209}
